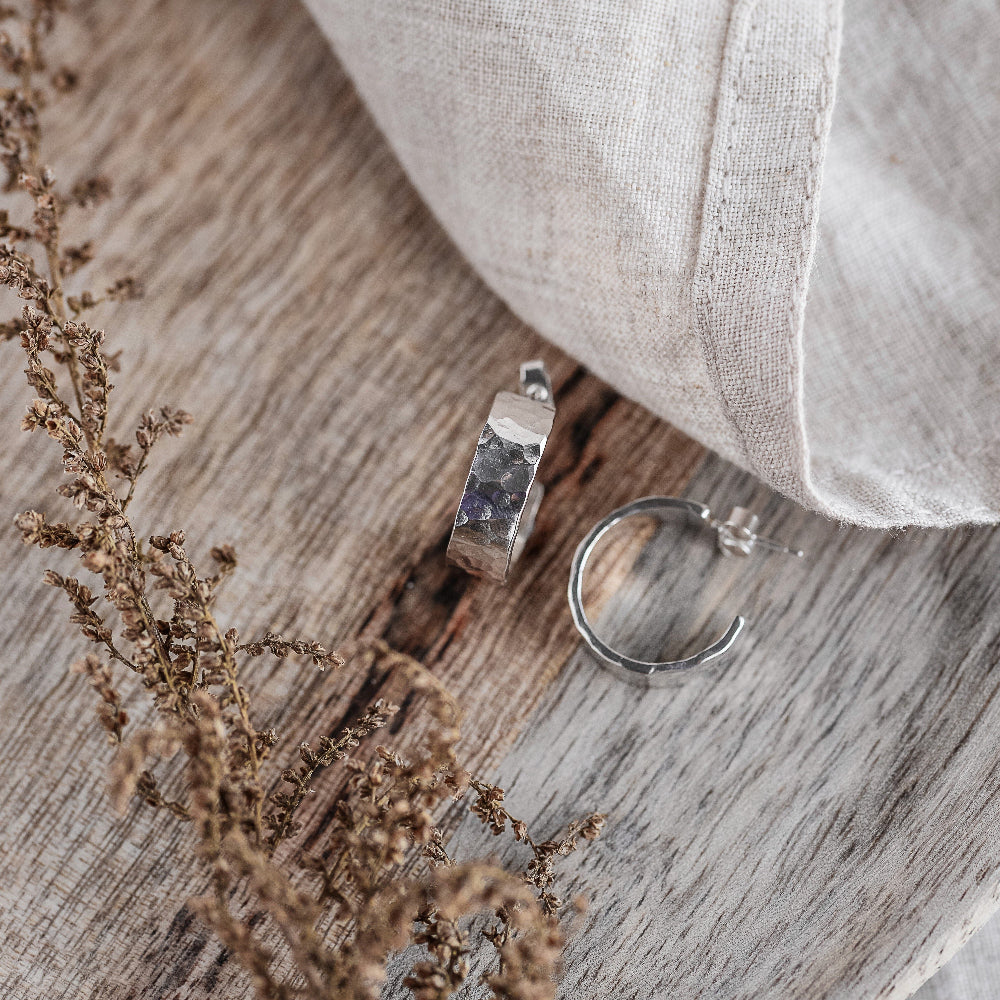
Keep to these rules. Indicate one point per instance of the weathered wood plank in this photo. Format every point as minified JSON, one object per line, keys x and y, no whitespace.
{"x":811,"y":816}
{"x":340,"y":358}
{"x":815,"y":813}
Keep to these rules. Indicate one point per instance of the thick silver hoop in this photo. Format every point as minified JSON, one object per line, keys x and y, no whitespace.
{"x":735,"y":537}
{"x":496,"y":514}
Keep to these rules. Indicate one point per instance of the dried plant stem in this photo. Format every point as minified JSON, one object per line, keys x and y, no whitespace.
{"x":134,"y":478}
{"x":32,"y":63}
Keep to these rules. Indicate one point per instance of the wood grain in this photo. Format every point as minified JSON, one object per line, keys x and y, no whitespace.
{"x":814,"y":815}
{"x":340,"y":359}
{"x":811,"y":817}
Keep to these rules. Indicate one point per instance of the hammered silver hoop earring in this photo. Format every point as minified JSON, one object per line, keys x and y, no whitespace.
{"x":735,"y":537}
{"x":496,"y":514}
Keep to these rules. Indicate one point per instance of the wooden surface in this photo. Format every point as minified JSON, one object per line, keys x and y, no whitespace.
{"x":811,"y":816}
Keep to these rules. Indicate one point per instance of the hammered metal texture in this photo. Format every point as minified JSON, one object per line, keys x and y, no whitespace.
{"x":496,"y":492}
{"x":642,"y":673}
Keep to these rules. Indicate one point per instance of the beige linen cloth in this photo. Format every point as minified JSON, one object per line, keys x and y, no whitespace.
{"x":773,"y":222}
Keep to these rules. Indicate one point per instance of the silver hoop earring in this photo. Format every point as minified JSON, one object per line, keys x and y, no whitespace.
{"x":735,"y":536}
{"x":496,"y":514}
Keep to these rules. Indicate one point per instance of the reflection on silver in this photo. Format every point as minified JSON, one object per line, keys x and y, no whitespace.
{"x":501,"y":498}
{"x":735,"y":536}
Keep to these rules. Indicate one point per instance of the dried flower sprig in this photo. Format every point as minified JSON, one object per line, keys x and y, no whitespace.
{"x":342,"y":909}
{"x":541,"y":869}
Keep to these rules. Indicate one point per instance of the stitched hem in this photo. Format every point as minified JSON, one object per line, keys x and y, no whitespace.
{"x":759,"y":226}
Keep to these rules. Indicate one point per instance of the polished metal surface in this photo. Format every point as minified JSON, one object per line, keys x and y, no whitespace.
{"x":501,"y":498}
{"x":735,"y":537}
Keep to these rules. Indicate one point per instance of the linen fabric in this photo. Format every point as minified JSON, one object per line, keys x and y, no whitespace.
{"x":773,"y":222}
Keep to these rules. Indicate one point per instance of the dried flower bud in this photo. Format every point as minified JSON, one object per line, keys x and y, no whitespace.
{"x":224,"y":555}
{"x":64,"y":80}
{"x":90,"y":192}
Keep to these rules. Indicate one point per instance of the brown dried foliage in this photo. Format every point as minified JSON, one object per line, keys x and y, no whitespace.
{"x":337,"y":913}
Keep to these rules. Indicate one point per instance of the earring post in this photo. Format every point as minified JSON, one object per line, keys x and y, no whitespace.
{"x":738,"y":535}
{"x":770,"y":543}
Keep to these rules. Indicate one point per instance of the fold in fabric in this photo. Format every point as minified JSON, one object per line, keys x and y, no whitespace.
{"x":645,"y":186}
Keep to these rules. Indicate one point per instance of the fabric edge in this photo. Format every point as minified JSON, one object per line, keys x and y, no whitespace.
{"x":751,"y":332}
